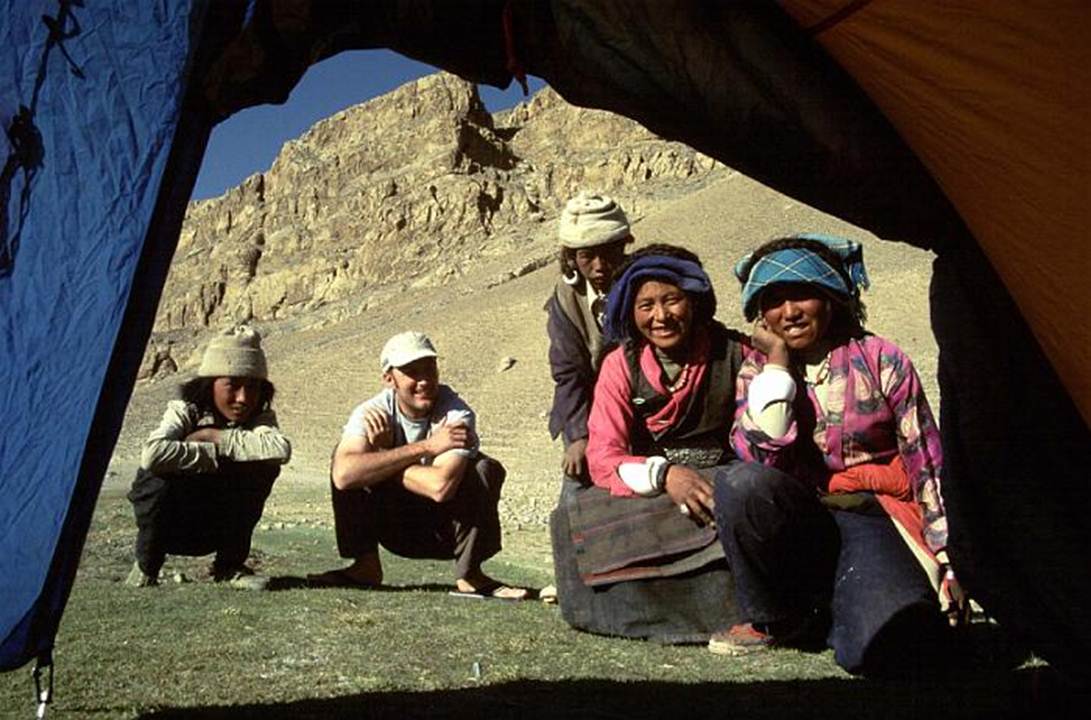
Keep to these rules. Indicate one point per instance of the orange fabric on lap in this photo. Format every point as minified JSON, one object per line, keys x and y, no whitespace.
{"x":891,"y":487}
{"x":880,"y":479}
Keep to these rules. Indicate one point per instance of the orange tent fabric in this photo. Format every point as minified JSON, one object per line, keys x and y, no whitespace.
{"x":1007,"y":139}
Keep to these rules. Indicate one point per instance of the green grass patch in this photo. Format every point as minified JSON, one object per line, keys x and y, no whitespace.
{"x":199,"y":649}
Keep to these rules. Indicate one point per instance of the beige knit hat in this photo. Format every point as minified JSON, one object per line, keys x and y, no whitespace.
{"x":234,"y":353}
{"x":590,"y":220}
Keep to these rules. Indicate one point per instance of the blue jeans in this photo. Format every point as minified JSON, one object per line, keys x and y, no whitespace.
{"x":792,"y":557}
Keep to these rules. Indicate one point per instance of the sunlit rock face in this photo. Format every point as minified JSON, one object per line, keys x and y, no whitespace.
{"x":405,"y":190}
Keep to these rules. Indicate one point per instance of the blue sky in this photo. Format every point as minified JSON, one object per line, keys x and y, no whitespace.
{"x":248,"y":141}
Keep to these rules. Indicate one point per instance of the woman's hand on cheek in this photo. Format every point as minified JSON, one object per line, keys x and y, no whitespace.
{"x":773,"y":345}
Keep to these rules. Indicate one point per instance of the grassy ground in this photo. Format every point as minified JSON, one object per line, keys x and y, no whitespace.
{"x":195,"y":649}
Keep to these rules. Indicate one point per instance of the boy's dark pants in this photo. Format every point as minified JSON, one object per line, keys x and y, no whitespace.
{"x":197,"y":514}
{"x":466,"y":528}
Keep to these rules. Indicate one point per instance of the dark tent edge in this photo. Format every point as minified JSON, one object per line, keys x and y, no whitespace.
{"x":1017,"y":447}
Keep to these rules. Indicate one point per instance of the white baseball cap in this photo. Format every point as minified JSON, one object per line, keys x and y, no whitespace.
{"x":404,"y":348}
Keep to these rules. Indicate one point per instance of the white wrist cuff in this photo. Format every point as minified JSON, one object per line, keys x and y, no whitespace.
{"x":646,"y":478}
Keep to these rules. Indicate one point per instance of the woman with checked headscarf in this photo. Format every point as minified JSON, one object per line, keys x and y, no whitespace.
{"x":854,"y":533}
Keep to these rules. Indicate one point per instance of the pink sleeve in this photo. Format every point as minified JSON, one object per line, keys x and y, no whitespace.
{"x":608,"y":425}
{"x":918,"y":439}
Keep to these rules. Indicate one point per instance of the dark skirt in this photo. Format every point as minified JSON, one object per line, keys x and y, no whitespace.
{"x":681,"y":594}
{"x":793,"y":556}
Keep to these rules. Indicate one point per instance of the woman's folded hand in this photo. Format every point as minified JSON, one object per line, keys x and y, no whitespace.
{"x":689,"y":489}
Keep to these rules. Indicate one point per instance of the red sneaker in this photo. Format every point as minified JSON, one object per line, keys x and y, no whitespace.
{"x":741,"y":639}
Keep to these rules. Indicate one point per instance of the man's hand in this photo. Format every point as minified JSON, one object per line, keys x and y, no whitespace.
{"x":689,"y":489}
{"x":573,"y":462}
{"x":206,"y":434}
{"x":377,"y":429}
{"x":448,"y":437}
{"x":773,"y":345}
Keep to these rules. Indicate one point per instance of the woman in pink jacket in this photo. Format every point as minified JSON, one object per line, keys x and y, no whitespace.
{"x":637,"y":552}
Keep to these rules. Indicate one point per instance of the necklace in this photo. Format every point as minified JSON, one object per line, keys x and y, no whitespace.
{"x":680,"y":381}
{"x":817,"y":374}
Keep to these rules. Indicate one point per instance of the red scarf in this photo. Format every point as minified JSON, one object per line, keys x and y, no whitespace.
{"x":680,"y":399}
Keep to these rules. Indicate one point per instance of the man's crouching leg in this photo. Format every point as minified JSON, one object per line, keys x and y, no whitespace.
{"x":356,"y":526}
{"x":475,"y":518}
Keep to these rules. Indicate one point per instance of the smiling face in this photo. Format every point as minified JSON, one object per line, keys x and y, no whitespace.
{"x":416,"y":386}
{"x":798,"y":313}
{"x":236,"y":398}
{"x":663,"y":313}
{"x":597,"y":264}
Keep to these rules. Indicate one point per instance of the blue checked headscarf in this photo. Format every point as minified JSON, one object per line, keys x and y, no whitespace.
{"x":800,"y":265}
{"x":687,"y":275}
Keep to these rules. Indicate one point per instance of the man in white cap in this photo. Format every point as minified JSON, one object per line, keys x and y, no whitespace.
{"x":593,"y":231}
{"x":208,"y":468}
{"x":407,"y":474}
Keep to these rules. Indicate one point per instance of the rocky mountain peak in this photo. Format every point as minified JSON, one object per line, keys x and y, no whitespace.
{"x":407,"y":189}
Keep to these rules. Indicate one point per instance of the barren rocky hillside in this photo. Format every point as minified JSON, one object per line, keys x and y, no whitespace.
{"x":419,"y":210}
{"x":410,"y":188}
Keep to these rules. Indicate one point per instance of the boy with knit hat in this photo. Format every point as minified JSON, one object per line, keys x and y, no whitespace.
{"x":208,"y":468}
{"x":407,"y":474}
{"x":593,"y":232}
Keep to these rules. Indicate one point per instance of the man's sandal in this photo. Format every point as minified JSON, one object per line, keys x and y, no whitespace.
{"x":495,"y":590}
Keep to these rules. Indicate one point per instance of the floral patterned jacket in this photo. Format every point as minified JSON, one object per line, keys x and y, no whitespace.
{"x":876,"y":410}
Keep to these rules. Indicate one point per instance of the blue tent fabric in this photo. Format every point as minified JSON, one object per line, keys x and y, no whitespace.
{"x":103,"y":86}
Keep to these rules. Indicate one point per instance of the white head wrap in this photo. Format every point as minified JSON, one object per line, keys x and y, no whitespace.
{"x":590,"y":220}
